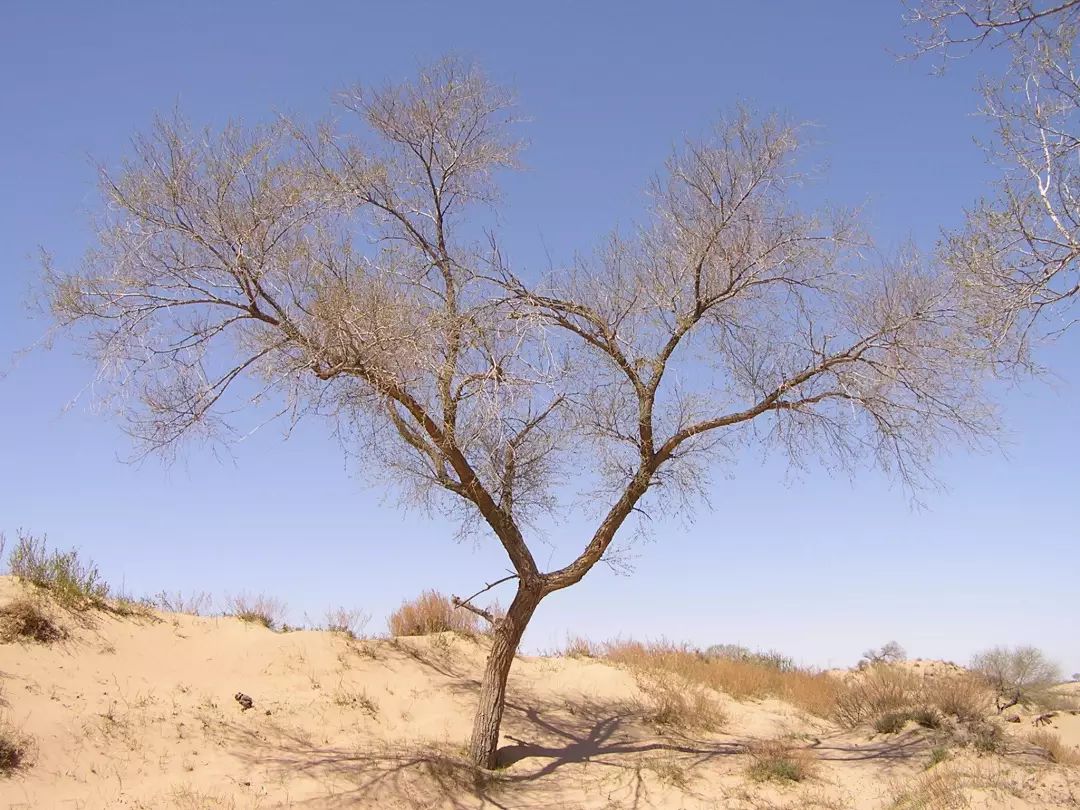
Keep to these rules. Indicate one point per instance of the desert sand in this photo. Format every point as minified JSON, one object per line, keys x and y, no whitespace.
{"x":140,"y":712}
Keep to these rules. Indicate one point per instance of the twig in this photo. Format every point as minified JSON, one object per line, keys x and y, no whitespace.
{"x":464,"y":603}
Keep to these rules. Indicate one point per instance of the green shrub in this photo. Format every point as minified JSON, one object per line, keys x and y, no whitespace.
{"x":73,"y":582}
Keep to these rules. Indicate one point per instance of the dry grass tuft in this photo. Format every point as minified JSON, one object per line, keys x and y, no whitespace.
{"x":26,"y":619}
{"x":741,"y":679}
{"x":350,"y":623}
{"x":779,"y":761}
{"x":432,"y":612}
{"x":882,"y":691}
{"x":1056,"y":750}
{"x":578,"y":647}
{"x":261,"y":609}
{"x":15,"y":749}
{"x":675,"y":704}
{"x":939,"y":789}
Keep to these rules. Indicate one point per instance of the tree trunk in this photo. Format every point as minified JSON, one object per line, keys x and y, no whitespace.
{"x":485,"y":735}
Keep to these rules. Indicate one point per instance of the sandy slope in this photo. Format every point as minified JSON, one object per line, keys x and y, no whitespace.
{"x":140,"y":713}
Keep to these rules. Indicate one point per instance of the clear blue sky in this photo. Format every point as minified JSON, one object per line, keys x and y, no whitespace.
{"x":821,"y":568}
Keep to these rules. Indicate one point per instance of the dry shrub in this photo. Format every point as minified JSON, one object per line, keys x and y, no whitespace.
{"x":1018,"y":674}
{"x":891,"y":722}
{"x":779,"y":761}
{"x":875,"y":692}
{"x":27,"y":619}
{"x":350,"y":623}
{"x":673,"y":703}
{"x":883,"y":690}
{"x":198,"y":603}
{"x":15,"y":749}
{"x":432,"y":612}
{"x":937,"y":789}
{"x":741,"y":679}
{"x":961,"y":696}
{"x":578,"y":647}
{"x":1056,"y":750}
{"x":260,"y":609}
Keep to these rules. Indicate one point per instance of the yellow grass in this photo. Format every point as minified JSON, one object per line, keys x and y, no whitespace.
{"x":811,"y":691}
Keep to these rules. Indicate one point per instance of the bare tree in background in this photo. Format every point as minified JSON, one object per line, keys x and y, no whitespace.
{"x":1019,"y":249}
{"x":350,"y":276}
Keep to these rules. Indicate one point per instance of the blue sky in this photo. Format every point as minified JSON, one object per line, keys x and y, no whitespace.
{"x":819,"y":567}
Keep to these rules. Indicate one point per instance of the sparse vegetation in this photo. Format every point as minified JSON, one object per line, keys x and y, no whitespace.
{"x":674,"y":704}
{"x":767,"y":658}
{"x":938,"y":754}
{"x":26,"y":618}
{"x":356,"y":699}
{"x":15,"y":749}
{"x":198,"y":603}
{"x":1056,"y":750}
{"x":578,"y":647}
{"x":260,"y":609}
{"x":779,"y":761}
{"x":432,"y":612}
{"x":986,"y":737}
{"x":1019,"y":675}
{"x":891,"y":722}
{"x":927,"y":717}
{"x":73,"y":582}
{"x":741,"y":679}
{"x":350,"y":623}
{"x":883,"y":689}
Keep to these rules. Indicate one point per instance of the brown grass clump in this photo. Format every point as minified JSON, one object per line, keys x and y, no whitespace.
{"x":938,"y":789}
{"x":964,"y":697}
{"x":1056,"y":750}
{"x":26,"y":619}
{"x":881,"y":691}
{"x":673,"y":703}
{"x":350,"y":623}
{"x":15,"y":749}
{"x":741,"y":679}
{"x":265,"y":610}
{"x":779,"y":761}
{"x":432,"y":612}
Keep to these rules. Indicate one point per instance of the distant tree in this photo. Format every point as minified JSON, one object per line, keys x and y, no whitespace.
{"x":353,"y":276}
{"x":1019,"y":252}
{"x":1018,"y":674}
{"x":889,"y":653}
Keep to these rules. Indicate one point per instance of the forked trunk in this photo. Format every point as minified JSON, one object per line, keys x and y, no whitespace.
{"x":485,"y":735}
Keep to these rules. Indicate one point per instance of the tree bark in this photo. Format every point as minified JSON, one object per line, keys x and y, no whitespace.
{"x":483,"y":746}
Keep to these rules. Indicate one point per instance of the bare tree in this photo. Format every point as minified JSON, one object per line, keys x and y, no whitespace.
{"x":1018,"y":251}
{"x":349,"y":275}
{"x":1019,"y":675}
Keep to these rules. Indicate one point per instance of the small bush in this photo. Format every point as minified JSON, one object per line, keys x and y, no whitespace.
{"x":74,"y":583}
{"x":674,"y":704}
{"x":432,"y":612}
{"x":15,"y":749}
{"x":927,"y":717}
{"x":1056,"y":750}
{"x":779,"y":761}
{"x":987,"y":738}
{"x":938,"y":754}
{"x":350,"y":623}
{"x":265,"y":610}
{"x":875,"y":692}
{"x":961,"y":696}
{"x":27,"y":619}
{"x":891,"y":722}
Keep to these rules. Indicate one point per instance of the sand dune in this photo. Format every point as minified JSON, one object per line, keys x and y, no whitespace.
{"x":140,"y":712}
